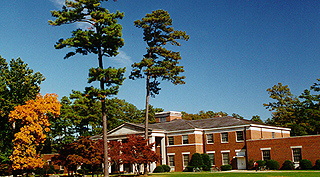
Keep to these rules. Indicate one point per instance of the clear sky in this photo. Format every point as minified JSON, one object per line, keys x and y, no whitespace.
{"x":237,"y":49}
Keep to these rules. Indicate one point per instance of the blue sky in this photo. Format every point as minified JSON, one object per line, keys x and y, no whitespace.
{"x":237,"y":49}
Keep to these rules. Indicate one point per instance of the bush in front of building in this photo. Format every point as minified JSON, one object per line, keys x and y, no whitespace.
{"x":261,"y":163}
{"x":272,"y":165}
{"x":196,"y":161}
{"x":287,"y":165}
{"x":226,"y":167}
{"x":166,"y":168}
{"x":305,"y":164}
{"x":158,"y":169}
{"x":317,"y":165}
{"x":162,"y":168}
{"x":206,"y":162}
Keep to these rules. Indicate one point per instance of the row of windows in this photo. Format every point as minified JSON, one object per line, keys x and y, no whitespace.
{"x":296,"y":154}
{"x":210,"y":138}
{"x":186,"y":159}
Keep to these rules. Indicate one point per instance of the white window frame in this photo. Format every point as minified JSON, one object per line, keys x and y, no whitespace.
{"x":183,"y":154}
{"x":225,"y":152}
{"x":171,"y":155}
{"x":223,"y":133}
{"x":237,"y":136}
{"x":183,"y":136}
{"x":213,"y":163}
{"x":211,"y":139}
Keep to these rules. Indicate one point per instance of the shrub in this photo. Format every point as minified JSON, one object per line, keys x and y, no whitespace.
{"x":166,"y":168}
{"x":287,"y":165}
{"x":250,"y":164}
{"x":305,"y":164}
{"x":206,"y":162}
{"x":158,"y":169}
{"x":261,"y":163}
{"x":272,"y":165}
{"x":226,"y":167}
{"x":196,"y":160}
{"x":188,"y":169}
{"x":317,"y":165}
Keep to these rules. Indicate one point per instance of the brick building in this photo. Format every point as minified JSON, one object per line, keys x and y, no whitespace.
{"x":226,"y":140}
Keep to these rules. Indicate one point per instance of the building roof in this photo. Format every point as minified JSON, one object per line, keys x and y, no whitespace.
{"x":216,"y":122}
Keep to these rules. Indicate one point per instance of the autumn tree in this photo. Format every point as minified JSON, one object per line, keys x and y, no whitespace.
{"x":102,"y":38}
{"x":159,"y":63}
{"x":83,"y":152}
{"x":33,"y":118}
{"x":136,"y":150}
{"x":18,"y":84}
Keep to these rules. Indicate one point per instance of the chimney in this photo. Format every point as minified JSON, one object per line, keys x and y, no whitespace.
{"x":167,"y":116}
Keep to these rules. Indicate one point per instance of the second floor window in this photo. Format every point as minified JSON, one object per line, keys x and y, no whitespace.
{"x":171,"y":140}
{"x":210,"y":138}
{"x":224,"y":137}
{"x":240,"y":136}
{"x":185,"y":139}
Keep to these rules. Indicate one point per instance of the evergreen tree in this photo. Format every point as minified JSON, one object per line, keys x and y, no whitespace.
{"x":158,"y":63}
{"x":102,"y":38}
{"x":18,"y":84}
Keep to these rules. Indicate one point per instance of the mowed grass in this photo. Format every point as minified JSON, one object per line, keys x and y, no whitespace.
{"x":241,"y":174}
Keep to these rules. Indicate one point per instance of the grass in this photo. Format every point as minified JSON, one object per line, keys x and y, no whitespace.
{"x":242,"y":174}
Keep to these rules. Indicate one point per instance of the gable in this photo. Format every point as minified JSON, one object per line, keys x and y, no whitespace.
{"x":125,"y":130}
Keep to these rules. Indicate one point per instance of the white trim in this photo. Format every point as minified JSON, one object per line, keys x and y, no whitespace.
{"x":194,"y":144}
{"x":225,"y":151}
{"x":211,"y":152}
{"x":264,"y":149}
{"x":184,"y":153}
{"x":171,"y":153}
{"x":293,"y":147}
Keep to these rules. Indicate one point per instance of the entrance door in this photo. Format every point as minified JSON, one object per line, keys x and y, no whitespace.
{"x":241,"y":163}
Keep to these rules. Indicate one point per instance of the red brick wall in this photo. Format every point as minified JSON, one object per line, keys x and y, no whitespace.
{"x":217,"y":146}
{"x":281,"y":148}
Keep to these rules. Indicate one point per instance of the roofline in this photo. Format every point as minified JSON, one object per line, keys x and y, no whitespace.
{"x":230,"y":127}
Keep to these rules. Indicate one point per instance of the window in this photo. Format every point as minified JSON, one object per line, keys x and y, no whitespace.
{"x":185,"y":139}
{"x":225,"y":158}
{"x":211,"y":157}
{"x":266,"y":155}
{"x":297,"y":156}
{"x":273,"y":135}
{"x":224,"y":137}
{"x":210,"y":138}
{"x":171,"y":160}
{"x":240,"y":136}
{"x":185,"y":160}
{"x":171,"y":140}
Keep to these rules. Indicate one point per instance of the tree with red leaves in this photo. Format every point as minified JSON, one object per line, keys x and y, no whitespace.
{"x":137,"y":151}
{"x":84,"y":152}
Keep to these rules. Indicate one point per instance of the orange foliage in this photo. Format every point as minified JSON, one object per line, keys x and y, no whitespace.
{"x":33,"y":116}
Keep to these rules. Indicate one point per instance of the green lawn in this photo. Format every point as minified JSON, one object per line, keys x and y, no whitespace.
{"x":241,"y":174}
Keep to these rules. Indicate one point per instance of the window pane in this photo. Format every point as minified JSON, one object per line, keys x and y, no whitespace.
{"x":185,"y":160}
{"x":171,"y":160}
{"x":240,"y":136}
{"x":266,"y":155}
{"x":209,"y":138}
{"x":225,"y":158}
{"x":224,"y":137}
{"x":185,"y":139}
{"x":171,"y":140}
{"x":211,"y":156}
{"x":296,"y":154}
